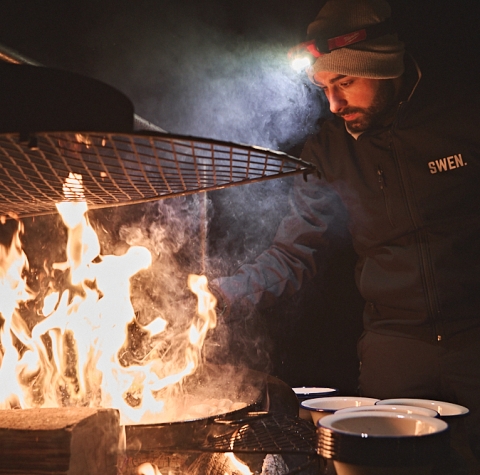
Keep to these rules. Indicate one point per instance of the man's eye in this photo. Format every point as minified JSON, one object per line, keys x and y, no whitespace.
{"x":346,"y":83}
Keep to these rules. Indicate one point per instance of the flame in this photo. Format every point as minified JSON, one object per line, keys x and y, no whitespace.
{"x":13,"y":262}
{"x":71,"y":355}
{"x":237,"y":465}
{"x":147,"y":469}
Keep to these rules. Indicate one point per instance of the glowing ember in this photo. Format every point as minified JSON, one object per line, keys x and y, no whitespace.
{"x":70,"y":356}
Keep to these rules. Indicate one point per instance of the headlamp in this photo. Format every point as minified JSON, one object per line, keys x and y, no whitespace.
{"x":305,"y":54}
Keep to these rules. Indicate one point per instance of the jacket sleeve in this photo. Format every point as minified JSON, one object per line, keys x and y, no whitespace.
{"x":280,"y":270}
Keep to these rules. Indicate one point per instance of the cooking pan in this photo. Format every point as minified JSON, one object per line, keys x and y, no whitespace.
{"x":239,"y":385}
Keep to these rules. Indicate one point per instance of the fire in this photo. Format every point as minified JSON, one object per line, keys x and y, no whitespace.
{"x":239,"y":467}
{"x":12,"y":289}
{"x":71,"y":355}
{"x":147,"y":469}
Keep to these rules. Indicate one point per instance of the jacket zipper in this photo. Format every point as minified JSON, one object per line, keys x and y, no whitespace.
{"x":423,"y":251}
{"x":381,"y":182}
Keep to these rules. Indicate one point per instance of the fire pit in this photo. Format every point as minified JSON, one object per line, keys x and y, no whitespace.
{"x":262,"y":433}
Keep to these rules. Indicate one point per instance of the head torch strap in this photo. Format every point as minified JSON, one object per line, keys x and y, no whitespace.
{"x":307,"y":47}
{"x":324,"y":46}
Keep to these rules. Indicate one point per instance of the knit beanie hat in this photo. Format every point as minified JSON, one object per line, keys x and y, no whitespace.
{"x":377,"y":58}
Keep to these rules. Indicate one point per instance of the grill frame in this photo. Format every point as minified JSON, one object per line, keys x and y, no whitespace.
{"x":120,"y":169}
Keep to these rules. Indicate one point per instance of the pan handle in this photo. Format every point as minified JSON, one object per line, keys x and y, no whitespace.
{"x":243,"y":419}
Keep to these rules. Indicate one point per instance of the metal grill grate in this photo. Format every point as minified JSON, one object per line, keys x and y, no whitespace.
{"x":277,"y":433}
{"x":121,"y":169}
{"x":275,"y":443}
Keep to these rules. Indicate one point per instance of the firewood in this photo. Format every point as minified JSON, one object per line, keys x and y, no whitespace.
{"x":70,"y":441}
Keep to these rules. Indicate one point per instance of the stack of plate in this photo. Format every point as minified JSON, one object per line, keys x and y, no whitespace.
{"x":387,"y":437}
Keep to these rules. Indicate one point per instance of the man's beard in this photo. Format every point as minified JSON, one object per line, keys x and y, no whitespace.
{"x":371,"y":116}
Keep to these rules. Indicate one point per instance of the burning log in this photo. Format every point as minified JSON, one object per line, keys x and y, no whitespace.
{"x":70,"y":441}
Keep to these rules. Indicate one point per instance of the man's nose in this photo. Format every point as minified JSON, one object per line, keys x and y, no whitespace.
{"x":337,"y":101}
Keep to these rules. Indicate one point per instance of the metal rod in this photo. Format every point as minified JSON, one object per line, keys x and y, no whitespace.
{"x":11,"y":56}
{"x":171,"y":195}
{"x":203,"y":231}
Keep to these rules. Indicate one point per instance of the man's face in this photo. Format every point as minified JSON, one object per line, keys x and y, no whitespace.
{"x":360,"y":102}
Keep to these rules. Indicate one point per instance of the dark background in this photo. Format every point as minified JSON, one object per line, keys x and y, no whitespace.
{"x":218,"y":69}
{"x":171,"y":57}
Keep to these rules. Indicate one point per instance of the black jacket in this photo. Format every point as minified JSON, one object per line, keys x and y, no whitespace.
{"x":412,"y":191}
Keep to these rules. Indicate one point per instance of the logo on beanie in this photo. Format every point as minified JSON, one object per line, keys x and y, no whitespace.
{"x":348,"y":39}
{"x":352,"y":38}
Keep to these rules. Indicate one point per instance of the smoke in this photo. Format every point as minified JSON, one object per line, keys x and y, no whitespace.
{"x":217,"y":71}
{"x":171,"y":230}
{"x":243,"y":223}
{"x":194,"y":70}
{"x":243,"y":95}
{"x":195,"y":75}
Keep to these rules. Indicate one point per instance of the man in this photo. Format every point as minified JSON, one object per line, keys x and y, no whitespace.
{"x":405,"y":161}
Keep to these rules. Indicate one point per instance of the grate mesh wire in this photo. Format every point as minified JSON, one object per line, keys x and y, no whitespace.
{"x":277,"y":444}
{"x":120,"y":169}
{"x":277,"y":433}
